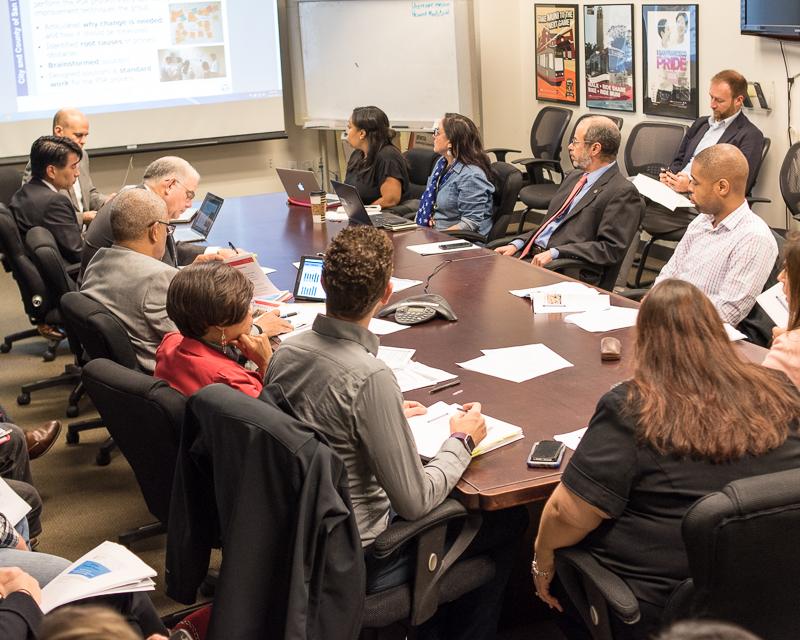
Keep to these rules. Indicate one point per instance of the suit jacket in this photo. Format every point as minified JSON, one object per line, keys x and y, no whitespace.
{"x":740,"y":133}
{"x":91,"y":198}
{"x":602,"y":224}
{"x":133,"y":287}
{"x":37,"y":205}
{"x":266,"y":484}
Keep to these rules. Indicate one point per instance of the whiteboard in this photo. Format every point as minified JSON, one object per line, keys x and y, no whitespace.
{"x":415,"y":59}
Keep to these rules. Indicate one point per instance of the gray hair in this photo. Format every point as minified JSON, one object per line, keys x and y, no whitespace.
{"x":168,"y":167}
{"x":605,"y":131}
{"x":133,"y":212}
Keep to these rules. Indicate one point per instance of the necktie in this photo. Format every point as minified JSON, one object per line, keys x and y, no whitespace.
{"x":564,"y":207}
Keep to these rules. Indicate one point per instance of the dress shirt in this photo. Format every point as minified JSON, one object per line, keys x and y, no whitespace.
{"x":9,"y":538}
{"x":78,"y":202}
{"x":729,"y":263}
{"x":711,"y":137}
{"x":544,"y":237}
{"x":334,"y":381}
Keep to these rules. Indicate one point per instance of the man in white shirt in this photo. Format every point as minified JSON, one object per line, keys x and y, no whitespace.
{"x":727,"y":251}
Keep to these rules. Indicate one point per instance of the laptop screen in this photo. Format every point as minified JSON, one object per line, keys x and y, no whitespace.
{"x":308,"y":285}
{"x":206,"y":214}
{"x":352,"y":203}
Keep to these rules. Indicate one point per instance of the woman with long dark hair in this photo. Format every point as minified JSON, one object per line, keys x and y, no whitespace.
{"x":376,"y":167}
{"x":459,"y":190}
{"x":785,"y":351}
{"x":694,"y":417}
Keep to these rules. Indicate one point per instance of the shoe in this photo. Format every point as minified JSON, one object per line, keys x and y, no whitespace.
{"x":50,"y":332}
{"x":40,"y":440}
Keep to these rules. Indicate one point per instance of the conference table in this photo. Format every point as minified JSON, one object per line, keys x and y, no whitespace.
{"x":476,"y":283}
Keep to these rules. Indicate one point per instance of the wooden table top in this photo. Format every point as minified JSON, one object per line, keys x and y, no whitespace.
{"x":476,"y":285}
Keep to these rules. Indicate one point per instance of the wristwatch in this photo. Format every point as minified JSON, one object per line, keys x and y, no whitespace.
{"x":466,"y":440}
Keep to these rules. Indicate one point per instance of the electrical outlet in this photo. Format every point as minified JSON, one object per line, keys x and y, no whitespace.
{"x":269,"y":163}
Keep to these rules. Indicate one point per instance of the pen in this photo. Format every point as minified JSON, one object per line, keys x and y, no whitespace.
{"x":289,"y":315}
{"x":230,"y":244}
{"x":444,"y":385}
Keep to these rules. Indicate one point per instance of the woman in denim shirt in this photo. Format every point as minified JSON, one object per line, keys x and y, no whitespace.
{"x":459,"y":191}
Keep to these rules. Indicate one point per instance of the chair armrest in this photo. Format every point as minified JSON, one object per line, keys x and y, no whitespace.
{"x":500,"y":242}
{"x":501,"y":152}
{"x":401,"y":532}
{"x":613,"y":589}
{"x":757,"y":200}
{"x":465,"y":234}
{"x":529,"y":163}
{"x":73,"y":269}
{"x":633,"y":294}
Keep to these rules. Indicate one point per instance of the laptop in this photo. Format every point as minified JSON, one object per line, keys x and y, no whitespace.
{"x":203,"y":221}
{"x":299,"y":183}
{"x":357,"y":212}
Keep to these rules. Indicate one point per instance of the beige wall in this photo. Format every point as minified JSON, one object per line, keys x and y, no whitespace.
{"x":505,"y":37}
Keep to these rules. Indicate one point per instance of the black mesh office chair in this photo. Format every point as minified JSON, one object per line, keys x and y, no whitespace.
{"x":420,"y":166}
{"x":538,"y":196}
{"x":144,"y":416}
{"x":38,"y":306}
{"x":790,"y":180}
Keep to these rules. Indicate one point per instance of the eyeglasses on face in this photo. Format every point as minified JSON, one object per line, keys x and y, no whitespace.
{"x":170,"y":227}
{"x":189,"y":193}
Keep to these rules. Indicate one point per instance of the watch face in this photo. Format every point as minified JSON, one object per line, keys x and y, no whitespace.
{"x":470,"y":443}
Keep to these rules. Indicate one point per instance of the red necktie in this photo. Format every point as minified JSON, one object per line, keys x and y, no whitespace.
{"x":575,"y":190}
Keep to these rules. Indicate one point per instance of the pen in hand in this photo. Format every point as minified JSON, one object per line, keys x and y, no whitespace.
{"x":230,"y":244}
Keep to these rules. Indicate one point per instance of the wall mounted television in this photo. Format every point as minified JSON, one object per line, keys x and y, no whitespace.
{"x":772,"y":18}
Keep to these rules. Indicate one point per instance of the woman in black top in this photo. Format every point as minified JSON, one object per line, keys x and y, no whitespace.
{"x":376,"y":167}
{"x":693,"y":418}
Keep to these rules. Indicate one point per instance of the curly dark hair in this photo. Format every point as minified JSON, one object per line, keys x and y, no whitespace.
{"x":356,"y":270}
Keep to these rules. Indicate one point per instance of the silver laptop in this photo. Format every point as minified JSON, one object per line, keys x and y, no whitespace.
{"x":203,"y":221}
{"x":357,"y":212}
{"x":299,"y":183}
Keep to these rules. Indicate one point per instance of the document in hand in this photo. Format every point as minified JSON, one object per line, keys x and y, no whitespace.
{"x":248,"y":265}
{"x":660,"y":193}
{"x":431,"y":429}
{"x":517,"y":364}
{"x":108,"y":568}
{"x":773,"y":302}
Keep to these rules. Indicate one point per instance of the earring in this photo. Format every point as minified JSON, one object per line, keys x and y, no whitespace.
{"x":222,"y":339}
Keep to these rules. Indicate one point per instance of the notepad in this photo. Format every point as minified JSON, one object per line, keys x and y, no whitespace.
{"x":659,"y":192}
{"x":432,"y":429}
{"x":773,"y":302}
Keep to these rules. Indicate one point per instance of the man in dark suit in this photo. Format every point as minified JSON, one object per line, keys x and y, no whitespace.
{"x":596,"y":210}
{"x":41,"y":202}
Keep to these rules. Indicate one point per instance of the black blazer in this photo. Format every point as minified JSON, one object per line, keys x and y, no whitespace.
{"x":740,"y":133}
{"x":37,"y":205}
{"x":278,"y":497}
{"x":601,"y":226}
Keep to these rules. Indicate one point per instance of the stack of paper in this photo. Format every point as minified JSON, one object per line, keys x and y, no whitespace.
{"x":433,"y":428}
{"x":774,"y":303}
{"x":558,"y":287}
{"x":396,"y":357}
{"x":659,"y":192}
{"x":517,"y":364}
{"x":569,"y":302}
{"x":604,"y":320}
{"x":109,"y":568}
{"x":262,"y":285}
{"x":416,"y":375}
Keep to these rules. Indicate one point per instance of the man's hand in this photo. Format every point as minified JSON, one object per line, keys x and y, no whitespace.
{"x":542,"y":259}
{"x":272,"y":324}
{"x":471,"y":422}
{"x":255,"y":348}
{"x":507,"y":250}
{"x":413,"y":408}
{"x":221,"y":254}
{"x":15,"y":579}
{"x":678,"y":182}
{"x":88,"y":216}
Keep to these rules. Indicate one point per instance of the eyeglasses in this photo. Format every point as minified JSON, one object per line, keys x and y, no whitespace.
{"x":436,"y":131}
{"x":189,"y":193}
{"x":170,"y":227}
{"x":576,"y":141}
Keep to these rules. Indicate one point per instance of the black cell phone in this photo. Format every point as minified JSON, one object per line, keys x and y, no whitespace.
{"x":455,"y":245}
{"x":547,"y":454}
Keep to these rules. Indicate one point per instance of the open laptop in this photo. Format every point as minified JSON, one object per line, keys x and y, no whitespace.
{"x":357,"y":212}
{"x":203,"y":221}
{"x":299,"y":183}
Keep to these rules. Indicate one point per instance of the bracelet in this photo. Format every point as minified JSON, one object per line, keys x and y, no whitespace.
{"x":536,"y":572}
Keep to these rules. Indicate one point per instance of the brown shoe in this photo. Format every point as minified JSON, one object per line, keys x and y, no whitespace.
{"x":50,"y":332}
{"x":40,"y":440}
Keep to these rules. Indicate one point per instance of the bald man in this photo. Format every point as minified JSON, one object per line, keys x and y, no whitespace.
{"x":71,"y":123}
{"x":595,"y":212}
{"x":727,"y":251}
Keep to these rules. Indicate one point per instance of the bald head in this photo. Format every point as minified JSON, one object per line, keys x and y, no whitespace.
{"x":133,"y":213}
{"x":723,"y":162}
{"x":604,"y":131}
{"x":71,"y":123}
{"x":169,"y":167}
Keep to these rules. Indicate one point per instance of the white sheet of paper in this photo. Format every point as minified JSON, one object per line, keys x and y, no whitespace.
{"x":432,"y":248}
{"x":774,"y":303}
{"x":401,"y":284}
{"x":431,"y":429}
{"x":384,"y":327}
{"x":660,"y":193}
{"x":571,"y":439}
{"x":210,"y":250}
{"x":416,"y":375}
{"x":395,"y":357}
{"x":733,"y":333}
{"x":268,"y":270}
{"x":517,"y":364}
{"x":569,"y":302}
{"x":558,"y":287}
{"x":306,"y":312}
{"x":12,"y":506}
{"x":296,"y":265}
{"x":605,"y":320}
{"x":247,"y":263}
{"x":336,"y":215}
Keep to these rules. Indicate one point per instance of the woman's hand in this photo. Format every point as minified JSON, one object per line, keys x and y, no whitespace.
{"x":777,"y":331}
{"x":15,"y":579}
{"x":413,"y":408}
{"x":255,"y":348}
{"x":543,"y":572}
{"x":272,"y":324}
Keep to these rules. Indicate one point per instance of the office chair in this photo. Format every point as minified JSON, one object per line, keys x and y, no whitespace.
{"x":538,"y":196}
{"x":38,"y":306}
{"x":671,"y":226}
{"x":144,"y":416}
{"x":420,"y":166}
{"x":790,"y":180}
{"x":296,"y":487}
{"x":101,"y":335}
{"x":508,"y":181}
{"x":10,"y":182}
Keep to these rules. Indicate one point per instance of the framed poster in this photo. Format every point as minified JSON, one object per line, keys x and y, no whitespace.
{"x":608,"y":55}
{"x":557,"y":53}
{"x":669,"y":43}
